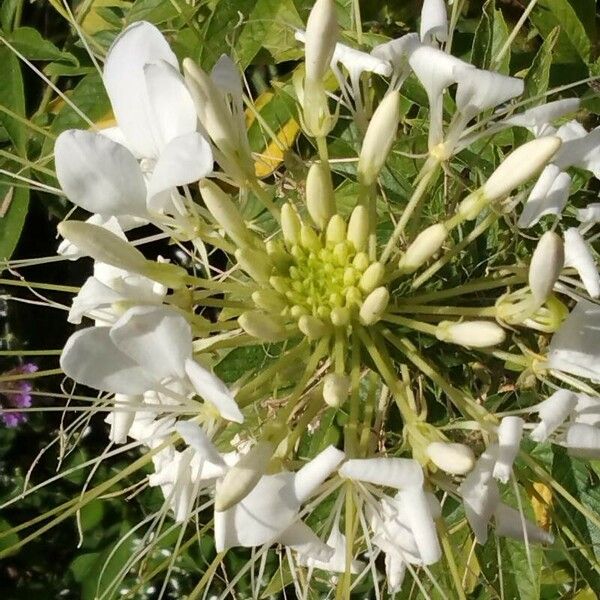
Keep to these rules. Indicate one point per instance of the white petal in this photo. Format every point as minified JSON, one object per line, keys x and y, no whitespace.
{"x":548,"y":196}
{"x":510,"y":433}
{"x":435,"y":69}
{"x":122,"y":416}
{"x":92,"y":296}
{"x":315,"y":472}
{"x":574,"y":347}
{"x":398,"y":473}
{"x":213,"y":390}
{"x":553,"y":412}
{"x":396,"y":52}
{"x":140,"y":44}
{"x":195,"y":437}
{"x":261,"y":517}
{"x":583,"y":441}
{"x":578,"y":255}
{"x":510,"y":524}
{"x":587,"y":410}
{"x":157,"y":338}
{"x":580,"y":148}
{"x":590,"y":214}
{"x":434,"y":21}
{"x":357,"y":62}
{"x":185,"y":159}
{"x":312,"y":551}
{"x":480,"y":90}
{"x":335,"y":561}
{"x":226,"y":76}
{"x":170,"y":102}
{"x":539,"y":116}
{"x":395,"y":569}
{"x":91,"y":358}
{"x":422,"y":525}
{"x":99,"y":175}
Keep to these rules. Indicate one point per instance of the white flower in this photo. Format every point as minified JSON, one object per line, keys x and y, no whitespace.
{"x":539,"y":118}
{"x":146,"y":349}
{"x":336,"y":563}
{"x":399,"y":473}
{"x":269,"y":513}
{"x":396,"y":53}
{"x":574,"y":347}
{"x":156,"y":125}
{"x":583,"y":440}
{"x":580,"y":148}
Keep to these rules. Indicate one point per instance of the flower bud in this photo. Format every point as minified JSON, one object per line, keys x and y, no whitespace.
{"x":546,"y":264}
{"x":374,"y":306}
{"x":320,"y":39}
{"x":240,"y":480}
{"x":472,"y":334}
{"x":510,"y":432}
{"x":262,"y":325}
{"x":519,"y":166}
{"x":269,"y":300}
{"x":210,"y":107}
{"x":225,"y":213}
{"x":335,"y":389}
{"x":320,"y":200}
{"x":455,"y":459}
{"x":312,"y":327}
{"x":379,"y":138}
{"x":256,"y":263}
{"x":358,"y":228}
{"x":290,"y":224}
{"x":372,"y":277}
{"x":309,"y":239}
{"x":336,"y":230}
{"x":425,"y":245}
{"x":340,"y":316}
{"x":104,"y":246}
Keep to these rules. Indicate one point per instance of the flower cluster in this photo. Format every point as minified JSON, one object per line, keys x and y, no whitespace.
{"x":16,"y":394}
{"x":333,"y":290}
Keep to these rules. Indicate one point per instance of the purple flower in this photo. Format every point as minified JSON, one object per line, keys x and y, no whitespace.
{"x":16,"y":394}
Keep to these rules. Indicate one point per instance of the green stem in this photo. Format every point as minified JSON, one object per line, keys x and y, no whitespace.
{"x":426,"y":309}
{"x":430,"y":168}
{"x":411,"y":323}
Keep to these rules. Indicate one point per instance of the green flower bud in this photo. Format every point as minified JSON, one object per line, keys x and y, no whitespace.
{"x":372,"y":277}
{"x":425,"y":245}
{"x":312,"y":327}
{"x":335,"y":389}
{"x":262,"y":325}
{"x":358,"y":228}
{"x":290,"y":225}
{"x":336,"y":230}
{"x":472,"y":334}
{"x":255,"y":263}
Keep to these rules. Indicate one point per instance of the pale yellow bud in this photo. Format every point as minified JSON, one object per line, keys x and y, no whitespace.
{"x":320,"y":200}
{"x":472,"y":334}
{"x":340,"y":316}
{"x":455,"y":459}
{"x":358,"y":228}
{"x":312,"y":327}
{"x":225,"y":213}
{"x":106,"y":247}
{"x":262,"y":325}
{"x":372,"y":277}
{"x":269,"y":300}
{"x":335,"y":389}
{"x":425,"y":245}
{"x":361,"y":261}
{"x":519,"y":166}
{"x":374,"y":306}
{"x":309,"y":239}
{"x":255,"y":263}
{"x":320,"y":39}
{"x":290,"y":224}
{"x":336,"y":230}
{"x":240,"y":480}
{"x":379,"y":138}
{"x":546,"y":264}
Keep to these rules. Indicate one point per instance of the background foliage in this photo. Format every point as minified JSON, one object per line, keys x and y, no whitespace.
{"x":557,"y":46}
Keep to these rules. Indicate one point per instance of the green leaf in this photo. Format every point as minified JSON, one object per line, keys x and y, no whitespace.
{"x":481,"y":52}
{"x":154,"y":11}
{"x":32,"y":45}
{"x":9,"y":540}
{"x":14,"y":202}
{"x":8,"y":12}
{"x":271,"y":26}
{"x":538,"y":75}
{"x":500,"y":36}
{"x":574,"y":41}
{"x":582,"y":483}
